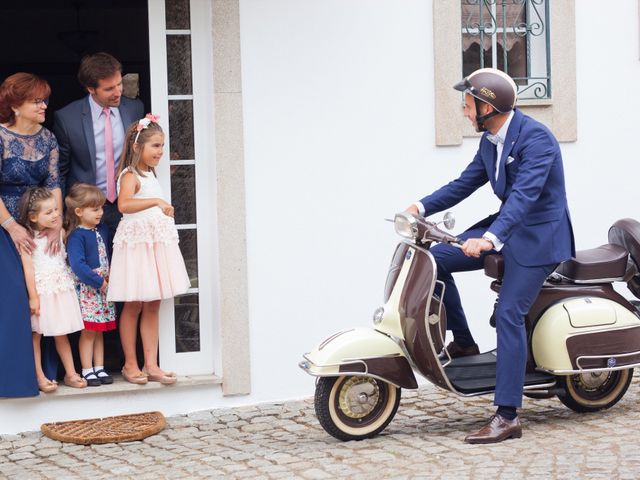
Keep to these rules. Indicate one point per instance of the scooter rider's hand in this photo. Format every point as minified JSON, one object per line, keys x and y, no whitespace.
{"x":473,"y":247}
{"x":413,"y":209}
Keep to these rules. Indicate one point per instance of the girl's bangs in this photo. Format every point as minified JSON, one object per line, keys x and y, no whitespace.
{"x":94,"y":198}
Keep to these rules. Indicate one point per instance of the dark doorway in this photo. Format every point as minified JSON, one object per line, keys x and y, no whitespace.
{"x":49,"y":37}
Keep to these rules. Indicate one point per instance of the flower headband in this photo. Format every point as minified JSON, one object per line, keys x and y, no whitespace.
{"x":144,"y":123}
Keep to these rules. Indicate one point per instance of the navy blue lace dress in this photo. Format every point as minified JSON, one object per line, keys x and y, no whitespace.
{"x":25,"y":161}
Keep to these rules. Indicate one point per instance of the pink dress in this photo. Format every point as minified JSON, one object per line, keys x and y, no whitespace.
{"x":146,"y":264}
{"x":59,"y":309}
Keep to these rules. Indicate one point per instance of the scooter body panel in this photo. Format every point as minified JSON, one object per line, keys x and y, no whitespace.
{"x":360,"y":351}
{"x":586,"y":334}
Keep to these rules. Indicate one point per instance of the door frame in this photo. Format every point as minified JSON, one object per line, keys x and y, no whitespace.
{"x":208,"y":359}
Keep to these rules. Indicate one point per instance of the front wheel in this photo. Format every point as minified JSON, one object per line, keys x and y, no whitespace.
{"x":355,"y":407}
{"x":593,"y":391}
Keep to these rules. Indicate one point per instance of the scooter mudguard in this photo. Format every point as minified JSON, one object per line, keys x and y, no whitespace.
{"x":360,"y":351}
{"x":587,"y":333}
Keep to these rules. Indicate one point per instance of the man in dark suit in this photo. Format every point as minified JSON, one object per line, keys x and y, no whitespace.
{"x":521,"y":160}
{"x":91,"y":131}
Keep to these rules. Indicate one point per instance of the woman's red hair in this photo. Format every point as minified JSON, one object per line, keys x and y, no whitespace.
{"x":17,"y":89}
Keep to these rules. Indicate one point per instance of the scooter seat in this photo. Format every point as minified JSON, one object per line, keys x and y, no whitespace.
{"x":494,"y":266}
{"x":606,"y":262}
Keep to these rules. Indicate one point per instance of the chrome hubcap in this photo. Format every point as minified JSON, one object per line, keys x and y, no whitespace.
{"x":359,"y":396}
{"x":593,"y":380}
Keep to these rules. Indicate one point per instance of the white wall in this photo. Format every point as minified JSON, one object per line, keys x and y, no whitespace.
{"x":339,"y":134}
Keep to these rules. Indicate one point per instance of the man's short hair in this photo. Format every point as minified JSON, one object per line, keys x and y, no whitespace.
{"x":97,"y":66}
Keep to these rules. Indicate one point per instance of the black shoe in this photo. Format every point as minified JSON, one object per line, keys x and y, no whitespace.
{"x":105,"y":379}
{"x":456,"y":351}
{"x":92,"y":379}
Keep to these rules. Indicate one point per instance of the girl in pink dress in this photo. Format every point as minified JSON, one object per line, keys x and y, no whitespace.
{"x":147,"y":265}
{"x":52,"y":296}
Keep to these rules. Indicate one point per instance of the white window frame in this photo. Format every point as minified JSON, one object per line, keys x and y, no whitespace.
{"x":559,"y":113}
{"x":537,"y":47}
{"x":208,"y":359}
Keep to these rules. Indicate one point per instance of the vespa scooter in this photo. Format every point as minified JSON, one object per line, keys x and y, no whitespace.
{"x":583,"y":337}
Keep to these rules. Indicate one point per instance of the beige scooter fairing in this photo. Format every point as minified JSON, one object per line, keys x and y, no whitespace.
{"x":360,"y":351}
{"x":403,"y":329}
{"x":586,"y":334}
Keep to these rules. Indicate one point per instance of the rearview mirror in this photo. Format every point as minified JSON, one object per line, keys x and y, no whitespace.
{"x":449,"y":220}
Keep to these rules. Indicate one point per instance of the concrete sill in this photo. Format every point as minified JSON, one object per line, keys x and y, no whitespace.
{"x":543,"y":102}
{"x":122,"y":386}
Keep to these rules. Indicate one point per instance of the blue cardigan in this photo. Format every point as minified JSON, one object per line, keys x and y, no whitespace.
{"x":82,"y":251}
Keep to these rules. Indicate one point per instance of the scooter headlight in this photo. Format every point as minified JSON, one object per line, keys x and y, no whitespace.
{"x":378,"y":315}
{"x":406,"y":225}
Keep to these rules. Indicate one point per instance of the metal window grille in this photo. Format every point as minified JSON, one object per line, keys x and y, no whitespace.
{"x":513,"y":36}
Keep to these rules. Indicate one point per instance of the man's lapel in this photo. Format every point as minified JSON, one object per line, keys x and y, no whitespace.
{"x":87,"y":128}
{"x":509,"y":142}
{"x":491,"y":163}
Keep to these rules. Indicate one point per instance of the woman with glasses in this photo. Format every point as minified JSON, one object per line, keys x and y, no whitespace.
{"x":28,"y":158}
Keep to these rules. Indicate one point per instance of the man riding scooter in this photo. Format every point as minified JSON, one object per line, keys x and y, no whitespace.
{"x":521,"y":160}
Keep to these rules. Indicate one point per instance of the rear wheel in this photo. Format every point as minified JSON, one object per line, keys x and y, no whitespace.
{"x":590,"y":392}
{"x":355,"y":407}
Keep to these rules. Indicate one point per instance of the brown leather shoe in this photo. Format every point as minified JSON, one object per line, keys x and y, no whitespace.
{"x":456,"y":351}
{"x":497,"y":430}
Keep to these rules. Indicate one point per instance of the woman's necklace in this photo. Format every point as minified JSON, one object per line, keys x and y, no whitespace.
{"x":22,"y":127}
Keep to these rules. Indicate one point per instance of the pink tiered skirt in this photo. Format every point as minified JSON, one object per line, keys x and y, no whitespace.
{"x":59,"y":314}
{"x":147,"y":264}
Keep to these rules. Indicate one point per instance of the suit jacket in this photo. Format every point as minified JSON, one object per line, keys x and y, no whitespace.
{"x":533,"y":221}
{"x":73,"y":128}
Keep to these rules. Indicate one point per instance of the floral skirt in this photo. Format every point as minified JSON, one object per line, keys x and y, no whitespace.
{"x":98,"y":314}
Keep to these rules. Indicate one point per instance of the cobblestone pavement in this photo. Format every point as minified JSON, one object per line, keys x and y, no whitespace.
{"x":285,"y":441}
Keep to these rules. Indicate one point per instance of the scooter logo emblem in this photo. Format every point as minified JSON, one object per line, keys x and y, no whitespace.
{"x":611,"y":362}
{"x":408,"y":255}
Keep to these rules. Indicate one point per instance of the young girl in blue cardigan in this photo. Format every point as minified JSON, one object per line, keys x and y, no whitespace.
{"x":87,"y":250}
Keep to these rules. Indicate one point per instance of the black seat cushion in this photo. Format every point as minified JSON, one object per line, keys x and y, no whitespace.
{"x":494,"y":266}
{"x":601,"y":263}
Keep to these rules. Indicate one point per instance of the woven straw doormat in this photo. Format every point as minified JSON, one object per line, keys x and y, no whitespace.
{"x":122,"y":428}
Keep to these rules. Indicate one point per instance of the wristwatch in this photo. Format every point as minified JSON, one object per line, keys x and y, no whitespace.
{"x":489,"y":240}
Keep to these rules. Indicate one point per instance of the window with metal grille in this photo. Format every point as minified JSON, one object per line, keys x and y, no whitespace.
{"x":512,"y":36}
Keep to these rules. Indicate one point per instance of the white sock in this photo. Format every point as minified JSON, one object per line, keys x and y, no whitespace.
{"x":101,"y":374}
{"x":86,"y":371}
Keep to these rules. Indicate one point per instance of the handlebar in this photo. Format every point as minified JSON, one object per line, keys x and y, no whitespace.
{"x":421,"y":230}
{"x":432,"y":232}
{"x":457,"y":243}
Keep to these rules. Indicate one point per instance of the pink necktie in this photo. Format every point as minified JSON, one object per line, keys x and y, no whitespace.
{"x":108,"y":155}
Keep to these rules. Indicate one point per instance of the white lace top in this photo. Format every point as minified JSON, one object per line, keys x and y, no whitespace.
{"x":52,"y":274}
{"x":149,"y":225}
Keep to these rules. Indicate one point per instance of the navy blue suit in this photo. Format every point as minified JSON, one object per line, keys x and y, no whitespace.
{"x":534,"y":225}
{"x":73,"y":128}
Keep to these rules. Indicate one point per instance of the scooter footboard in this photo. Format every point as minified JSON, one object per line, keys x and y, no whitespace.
{"x":360,"y":351}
